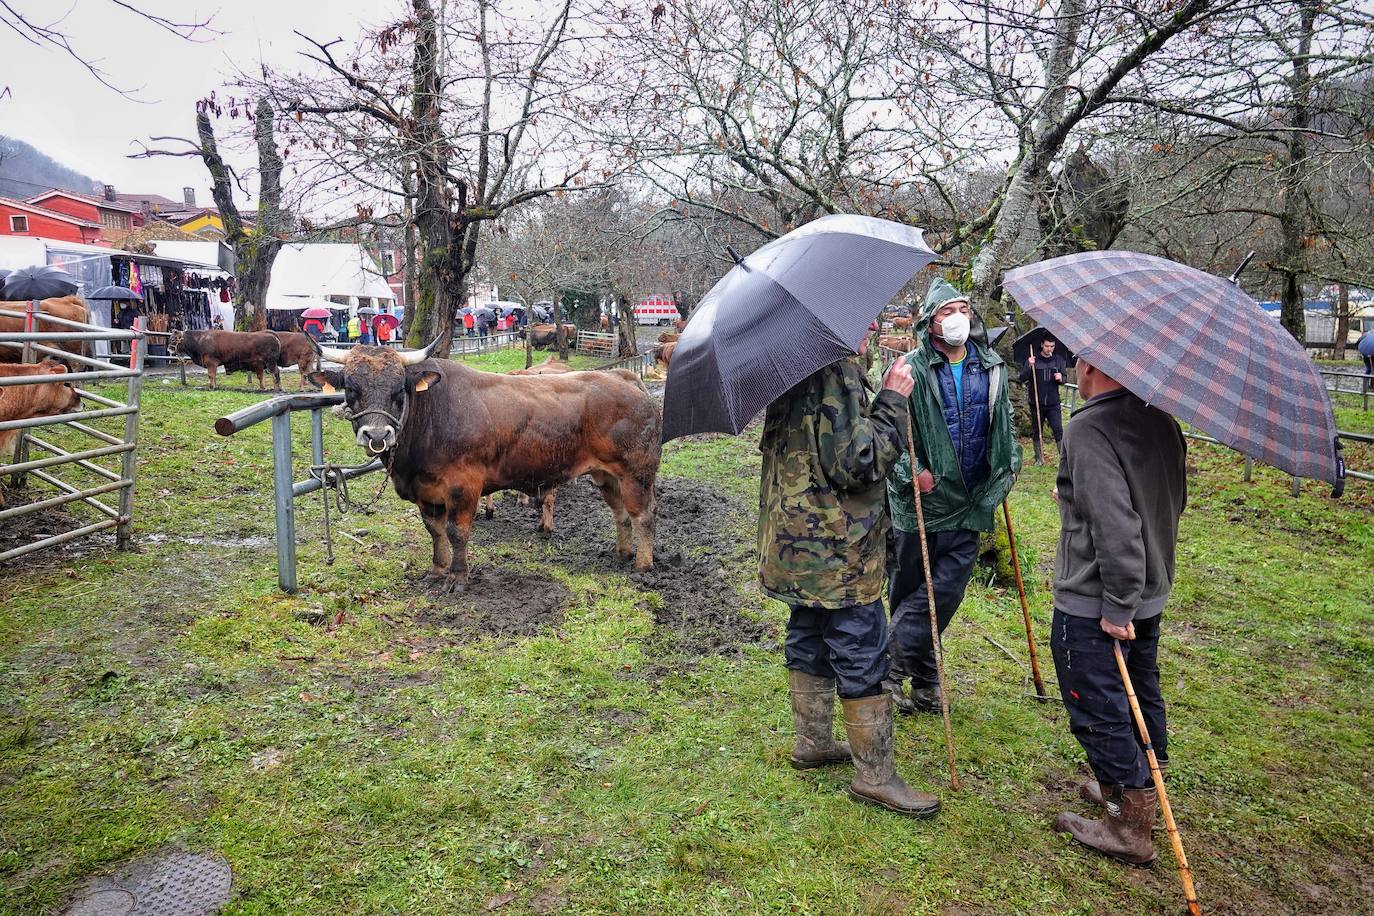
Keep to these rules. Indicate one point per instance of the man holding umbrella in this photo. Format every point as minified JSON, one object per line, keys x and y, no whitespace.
{"x":967,"y":459}
{"x":822,"y":550}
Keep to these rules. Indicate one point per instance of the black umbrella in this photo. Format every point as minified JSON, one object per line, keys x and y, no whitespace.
{"x":995,"y":334}
{"x":114,"y":292}
{"x":1029,"y":343}
{"x":38,"y":283}
{"x":796,"y":305}
{"x":484,"y":312}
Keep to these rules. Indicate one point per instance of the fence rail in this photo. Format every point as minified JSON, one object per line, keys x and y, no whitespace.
{"x":33,"y":346}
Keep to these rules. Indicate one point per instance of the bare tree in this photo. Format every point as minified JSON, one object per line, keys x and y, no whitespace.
{"x":257,"y":241}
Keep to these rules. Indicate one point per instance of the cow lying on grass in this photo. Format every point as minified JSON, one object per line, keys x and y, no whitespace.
{"x":25,"y":402}
{"x":450,"y":434}
{"x":253,"y":351}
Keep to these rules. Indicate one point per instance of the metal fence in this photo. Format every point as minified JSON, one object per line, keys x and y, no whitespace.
{"x":597,"y":343}
{"x":34,"y":345}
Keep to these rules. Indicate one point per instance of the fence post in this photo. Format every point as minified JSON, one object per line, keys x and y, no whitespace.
{"x":21,"y":446}
{"x":317,"y":437}
{"x":285,"y":504}
{"x":181,"y":367}
{"x":124,"y":531}
{"x":1297,"y":486}
{"x":1249,"y":466}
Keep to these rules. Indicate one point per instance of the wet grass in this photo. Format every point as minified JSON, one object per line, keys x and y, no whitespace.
{"x":347,"y":757}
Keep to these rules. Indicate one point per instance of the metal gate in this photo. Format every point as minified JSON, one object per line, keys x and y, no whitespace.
{"x":35,"y":345}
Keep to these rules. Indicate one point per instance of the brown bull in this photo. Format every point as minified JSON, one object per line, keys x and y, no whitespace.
{"x":72,"y":308}
{"x":234,"y":351}
{"x":551,"y":366}
{"x":25,"y":402}
{"x":897,"y":342}
{"x":450,"y":434}
{"x":544,"y":336}
{"x":298,"y":351}
{"x":901,"y":324}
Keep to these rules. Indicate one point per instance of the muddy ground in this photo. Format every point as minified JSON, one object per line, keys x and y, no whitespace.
{"x":703,"y":561}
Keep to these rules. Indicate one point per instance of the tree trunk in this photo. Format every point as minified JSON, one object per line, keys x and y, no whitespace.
{"x":629,"y":341}
{"x":559,"y":335}
{"x":255,"y":247}
{"x":439,"y":281}
{"x":1342,"y":313}
{"x":408,"y":249}
{"x":1291,"y":261}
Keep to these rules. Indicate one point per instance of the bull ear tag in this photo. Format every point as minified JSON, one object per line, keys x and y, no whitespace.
{"x":422,"y":385}
{"x":328,"y":388}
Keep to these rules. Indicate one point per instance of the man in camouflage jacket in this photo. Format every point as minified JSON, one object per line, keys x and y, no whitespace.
{"x":822,"y":543}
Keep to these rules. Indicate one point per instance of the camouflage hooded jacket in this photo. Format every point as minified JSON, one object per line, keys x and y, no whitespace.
{"x":822,"y":514}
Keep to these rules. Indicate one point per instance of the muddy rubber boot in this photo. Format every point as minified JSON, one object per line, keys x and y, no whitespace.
{"x":900,"y":701}
{"x":813,"y":716}
{"x":869,"y":723}
{"x":1124,"y":831}
{"x":1091,"y":791}
{"x":925,"y":699}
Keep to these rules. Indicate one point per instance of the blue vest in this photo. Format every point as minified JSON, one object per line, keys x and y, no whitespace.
{"x":967,"y":419}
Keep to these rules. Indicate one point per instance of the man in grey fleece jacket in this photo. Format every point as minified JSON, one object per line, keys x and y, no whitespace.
{"x":1121,"y":489}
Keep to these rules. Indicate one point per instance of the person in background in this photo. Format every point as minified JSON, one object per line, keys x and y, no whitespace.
{"x":1121,"y":488}
{"x":383,"y":332}
{"x":218,"y":323}
{"x":469,"y":325}
{"x":1366,"y":348}
{"x":355,"y":328}
{"x":1048,"y":369}
{"x":329,"y":334}
{"x":827,"y":446}
{"x":966,"y":461}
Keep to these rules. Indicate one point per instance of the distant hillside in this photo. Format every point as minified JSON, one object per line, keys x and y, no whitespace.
{"x":25,"y":171}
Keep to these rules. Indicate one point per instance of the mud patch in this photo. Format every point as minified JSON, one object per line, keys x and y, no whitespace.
{"x":497,"y":604}
{"x":18,"y":532}
{"x":700,"y":558}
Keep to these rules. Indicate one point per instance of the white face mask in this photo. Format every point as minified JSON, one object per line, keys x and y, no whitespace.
{"x":954,"y":329}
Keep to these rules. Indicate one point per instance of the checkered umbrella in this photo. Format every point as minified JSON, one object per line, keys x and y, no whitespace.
{"x":796,"y":305}
{"x":1194,"y":345}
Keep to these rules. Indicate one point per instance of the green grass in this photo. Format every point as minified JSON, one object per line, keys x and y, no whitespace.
{"x":401,"y":768}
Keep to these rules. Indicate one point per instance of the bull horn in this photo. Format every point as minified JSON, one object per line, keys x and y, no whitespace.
{"x":328,"y":354}
{"x":415,"y":357}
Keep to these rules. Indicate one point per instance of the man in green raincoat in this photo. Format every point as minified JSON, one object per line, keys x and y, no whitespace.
{"x":966,"y":461}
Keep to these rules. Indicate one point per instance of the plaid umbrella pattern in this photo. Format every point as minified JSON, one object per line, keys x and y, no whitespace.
{"x":1194,"y":345}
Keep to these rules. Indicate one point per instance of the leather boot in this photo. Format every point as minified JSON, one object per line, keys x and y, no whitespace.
{"x":813,"y":716}
{"x":869,"y":723}
{"x":1124,"y":832}
{"x":926,"y":699}
{"x":1091,"y":791}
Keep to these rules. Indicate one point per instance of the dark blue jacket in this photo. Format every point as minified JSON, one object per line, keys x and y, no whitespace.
{"x":967,"y":420}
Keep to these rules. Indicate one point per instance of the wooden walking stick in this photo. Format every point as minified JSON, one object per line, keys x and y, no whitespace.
{"x":1185,"y":874}
{"x":1025,"y":606}
{"x":1035,"y":413}
{"x":934,"y":618}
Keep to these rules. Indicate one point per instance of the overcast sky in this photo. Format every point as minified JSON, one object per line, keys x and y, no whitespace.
{"x":57,"y":106}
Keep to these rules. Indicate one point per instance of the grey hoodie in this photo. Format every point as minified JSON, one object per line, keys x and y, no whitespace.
{"x":1122,"y":488}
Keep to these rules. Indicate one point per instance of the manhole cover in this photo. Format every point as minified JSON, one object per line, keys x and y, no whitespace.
{"x":171,"y":883}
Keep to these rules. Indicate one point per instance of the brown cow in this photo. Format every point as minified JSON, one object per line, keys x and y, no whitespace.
{"x":551,"y":366}
{"x":72,"y":308}
{"x":663,"y":353}
{"x":544,"y":336}
{"x":255,"y":351}
{"x":296,"y":350}
{"x":449,"y":434}
{"x":668,"y":336}
{"x":901,"y":324}
{"x":896,"y":342}
{"x":25,"y":402}
{"x":605,"y":323}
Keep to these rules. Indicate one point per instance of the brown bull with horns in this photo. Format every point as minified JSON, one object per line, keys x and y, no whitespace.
{"x":449,"y":434}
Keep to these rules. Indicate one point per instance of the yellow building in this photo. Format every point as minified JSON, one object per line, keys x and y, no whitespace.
{"x":206,"y":224}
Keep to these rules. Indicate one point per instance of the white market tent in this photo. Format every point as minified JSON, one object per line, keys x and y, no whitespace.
{"x":343,"y":273}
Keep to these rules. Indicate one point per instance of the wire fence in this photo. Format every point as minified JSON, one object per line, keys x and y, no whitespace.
{"x":92,"y":408}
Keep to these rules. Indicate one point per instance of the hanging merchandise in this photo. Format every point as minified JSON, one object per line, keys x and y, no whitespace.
{"x":135,"y":281}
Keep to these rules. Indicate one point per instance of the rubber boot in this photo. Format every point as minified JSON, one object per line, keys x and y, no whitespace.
{"x":813,"y":716}
{"x":869,"y":723}
{"x":1124,"y":832}
{"x":900,"y":701}
{"x":926,"y":699}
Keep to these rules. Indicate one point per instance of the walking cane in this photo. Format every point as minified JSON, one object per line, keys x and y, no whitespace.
{"x":1185,"y":874}
{"x":1035,"y":413}
{"x":1025,"y":606}
{"x":934,"y":618}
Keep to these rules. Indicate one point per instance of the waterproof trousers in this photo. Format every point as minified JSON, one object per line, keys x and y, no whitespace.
{"x":845,"y":644}
{"x":952,"y":555}
{"x":1095,"y":698}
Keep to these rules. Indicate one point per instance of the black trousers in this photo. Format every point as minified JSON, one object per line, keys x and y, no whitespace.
{"x":952,"y":555}
{"x":1099,"y":713}
{"x":846,"y":644}
{"x":1052,"y":414}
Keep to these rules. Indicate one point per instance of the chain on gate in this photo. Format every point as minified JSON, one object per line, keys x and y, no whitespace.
{"x":335,"y":477}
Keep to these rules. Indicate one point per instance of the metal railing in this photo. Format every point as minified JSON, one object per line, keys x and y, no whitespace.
{"x":285,"y":488}
{"x":596,"y":343}
{"x":34,"y":345}
{"x":1363,"y":383}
